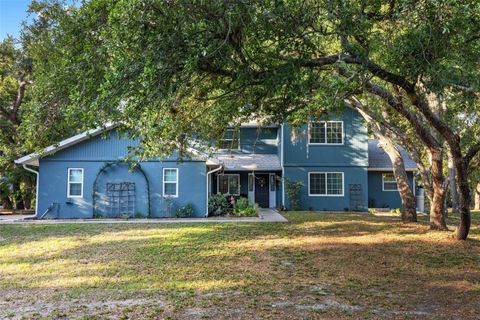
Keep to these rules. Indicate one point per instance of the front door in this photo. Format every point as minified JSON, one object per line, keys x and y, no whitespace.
{"x":261,"y":190}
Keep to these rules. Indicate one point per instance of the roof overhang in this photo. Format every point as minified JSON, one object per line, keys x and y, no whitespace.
{"x":247,"y":162}
{"x":33,"y":158}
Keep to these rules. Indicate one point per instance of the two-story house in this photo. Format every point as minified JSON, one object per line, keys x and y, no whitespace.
{"x":339,"y":168}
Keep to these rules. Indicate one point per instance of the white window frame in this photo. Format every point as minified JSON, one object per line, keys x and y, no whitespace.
{"x":69,"y":182}
{"x":326,"y":186}
{"x":235,"y":132}
{"x":326,"y":143}
{"x":383,"y":182}
{"x":239,"y":187}
{"x":164,"y":182}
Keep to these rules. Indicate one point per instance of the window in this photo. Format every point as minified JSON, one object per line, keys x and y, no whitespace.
{"x":229,"y":184}
{"x":75,"y":183}
{"x":230,"y":140}
{"x":325,"y":184}
{"x":325,"y":132}
{"x":389,"y":182}
{"x":170,"y":182}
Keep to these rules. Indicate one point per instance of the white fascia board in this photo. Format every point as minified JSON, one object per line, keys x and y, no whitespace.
{"x":32,"y":159}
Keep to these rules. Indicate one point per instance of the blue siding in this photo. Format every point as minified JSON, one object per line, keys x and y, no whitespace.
{"x":53,"y":186}
{"x":353,"y":152}
{"x":352,"y":175}
{"x":351,"y":158}
{"x":91,"y":155}
{"x":110,"y":146}
{"x":259,"y":140}
{"x":378,"y":198}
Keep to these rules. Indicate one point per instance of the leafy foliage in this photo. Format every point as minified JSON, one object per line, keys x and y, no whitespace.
{"x":292,"y":189}
{"x":243,"y":209}
{"x":217,"y":204}
{"x":15,"y":73}
{"x":185,"y":211}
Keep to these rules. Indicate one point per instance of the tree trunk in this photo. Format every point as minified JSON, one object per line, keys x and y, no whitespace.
{"x":477,"y":197}
{"x":453,"y":185}
{"x":437,"y":211}
{"x":17,"y":196}
{"x":409,"y":211}
{"x":29,"y":187}
{"x":6,"y":202}
{"x":461,"y":166}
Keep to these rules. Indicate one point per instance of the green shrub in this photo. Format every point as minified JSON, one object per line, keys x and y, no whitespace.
{"x":292,"y":189}
{"x":251,"y":211}
{"x":241,"y":204}
{"x":397,"y":210}
{"x":217,"y":204}
{"x":244,"y":209}
{"x":138,"y":215}
{"x":185,"y":211}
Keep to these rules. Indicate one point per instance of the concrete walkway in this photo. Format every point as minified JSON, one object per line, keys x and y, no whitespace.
{"x":266,"y":215}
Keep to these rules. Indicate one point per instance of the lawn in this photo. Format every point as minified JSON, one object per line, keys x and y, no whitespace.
{"x":320,"y":265}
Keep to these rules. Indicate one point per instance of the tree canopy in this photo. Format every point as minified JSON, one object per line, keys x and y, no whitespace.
{"x":170,"y":70}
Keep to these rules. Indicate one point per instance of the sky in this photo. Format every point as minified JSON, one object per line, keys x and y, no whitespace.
{"x":12,"y":13}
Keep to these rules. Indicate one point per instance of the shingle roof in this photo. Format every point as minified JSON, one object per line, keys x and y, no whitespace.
{"x":379,"y":160}
{"x":247,"y":162}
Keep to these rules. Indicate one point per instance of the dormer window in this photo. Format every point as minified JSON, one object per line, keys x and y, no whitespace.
{"x":325,"y":132}
{"x":230,"y":140}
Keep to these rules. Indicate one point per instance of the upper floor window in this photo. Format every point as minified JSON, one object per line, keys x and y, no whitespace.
{"x":170,"y":182}
{"x":389,"y":182}
{"x":229,"y":184}
{"x":325,"y":132}
{"x":325,"y":184}
{"x":230,"y":140}
{"x":75,"y":183}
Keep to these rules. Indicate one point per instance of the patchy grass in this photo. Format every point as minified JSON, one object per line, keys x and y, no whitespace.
{"x":320,"y":265}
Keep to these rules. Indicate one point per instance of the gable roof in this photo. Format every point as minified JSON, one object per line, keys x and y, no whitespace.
{"x":32,"y":158}
{"x":378,"y":159}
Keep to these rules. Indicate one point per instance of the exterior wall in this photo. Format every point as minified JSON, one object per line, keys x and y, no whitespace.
{"x":352,"y":175}
{"x":92,"y":155}
{"x":377,"y":198}
{"x":353,"y":151}
{"x":258,"y":140}
{"x":351,"y":158}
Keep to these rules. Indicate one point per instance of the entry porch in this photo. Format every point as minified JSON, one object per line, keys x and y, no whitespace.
{"x":257,"y":177}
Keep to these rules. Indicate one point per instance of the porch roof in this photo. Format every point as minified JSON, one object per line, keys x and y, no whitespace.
{"x":247,"y":162}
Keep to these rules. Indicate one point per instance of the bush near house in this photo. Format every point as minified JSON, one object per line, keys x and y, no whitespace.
{"x":185,"y":212}
{"x":217,"y":204}
{"x":243,"y":209}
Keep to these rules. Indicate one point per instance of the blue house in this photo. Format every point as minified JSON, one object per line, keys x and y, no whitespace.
{"x":339,"y":168}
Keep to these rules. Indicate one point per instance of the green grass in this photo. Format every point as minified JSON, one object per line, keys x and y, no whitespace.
{"x":318,"y":265}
